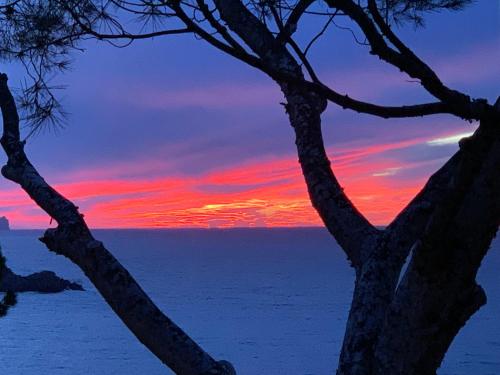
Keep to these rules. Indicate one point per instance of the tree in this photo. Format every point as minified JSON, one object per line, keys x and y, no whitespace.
{"x":394,"y":327}
{"x":73,"y":239}
{"x":9,"y":298}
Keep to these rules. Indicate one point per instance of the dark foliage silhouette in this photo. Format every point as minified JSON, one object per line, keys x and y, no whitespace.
{"x":394,"y":327}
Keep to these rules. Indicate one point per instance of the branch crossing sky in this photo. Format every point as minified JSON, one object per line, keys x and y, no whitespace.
{"x":172,"y":133}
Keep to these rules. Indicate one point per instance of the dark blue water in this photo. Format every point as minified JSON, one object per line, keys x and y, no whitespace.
{"x":270,"y":301}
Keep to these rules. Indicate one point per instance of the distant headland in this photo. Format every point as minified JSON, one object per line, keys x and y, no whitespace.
{"x":4,"y":223}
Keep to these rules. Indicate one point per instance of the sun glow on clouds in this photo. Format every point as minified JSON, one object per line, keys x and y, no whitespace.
{"x":387,"y":172}
{"x":268,"y":192}
{"x":449,"y":140}
{"x":380,"y":175}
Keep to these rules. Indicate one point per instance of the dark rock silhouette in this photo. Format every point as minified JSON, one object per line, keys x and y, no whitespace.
{"x":42,"y":282}
{"x":4,"y":223}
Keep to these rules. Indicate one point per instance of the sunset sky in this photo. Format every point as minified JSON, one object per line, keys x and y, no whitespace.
{"x":172,"y":133}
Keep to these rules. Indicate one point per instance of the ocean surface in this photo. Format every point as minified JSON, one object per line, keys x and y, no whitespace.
{"x":271,"y":301}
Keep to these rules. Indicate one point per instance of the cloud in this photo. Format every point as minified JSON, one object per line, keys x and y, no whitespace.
{"x":214,"y":96}
{"x":448,"y":140}
{"x":479,"y":63}
{"x":387,"y":172}
{"x":267,"y":191}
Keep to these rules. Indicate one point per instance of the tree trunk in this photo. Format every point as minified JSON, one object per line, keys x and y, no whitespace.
{"x":384,"y":315}
{"x":438,"y":293}
{"x":73,"y":239}
{"x":365,"y":246}
{"x":406,"y":328}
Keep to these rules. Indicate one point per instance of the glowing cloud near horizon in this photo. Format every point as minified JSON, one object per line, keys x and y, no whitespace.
{"x":449,"y":140}
{"x":268,"y":193}
{"x":380,"y":171}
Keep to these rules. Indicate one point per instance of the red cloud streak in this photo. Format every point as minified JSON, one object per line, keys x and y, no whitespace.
{"x":261,"y":193}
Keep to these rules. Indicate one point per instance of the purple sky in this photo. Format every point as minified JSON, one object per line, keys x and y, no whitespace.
{"x":171,"y":132}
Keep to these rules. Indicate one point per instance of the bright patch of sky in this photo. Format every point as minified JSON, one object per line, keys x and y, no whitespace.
{"x":171,"y":132}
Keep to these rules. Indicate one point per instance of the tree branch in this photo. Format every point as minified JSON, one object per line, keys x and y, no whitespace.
{"x":128,"y":36}
{"x":218,"y":27}
{"x":73,"y":239}
{"x":347,"y":102}
{"x":460,"y":104}
{"x":386,"y":30}
{"x":257,"y":36}
{"x":301,"y":55}
{"x":291,"y":24}
{"x":412,"y":221}
{"x":304,"y":108}
{"x":237,"y":53}
{"x":438,"y":292}
{"x":278,"y":63}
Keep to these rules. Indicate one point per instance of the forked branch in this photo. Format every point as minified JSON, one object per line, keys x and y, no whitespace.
{"x":404,"y":59}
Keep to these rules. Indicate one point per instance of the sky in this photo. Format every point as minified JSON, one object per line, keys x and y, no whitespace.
{"x":173,"y":133}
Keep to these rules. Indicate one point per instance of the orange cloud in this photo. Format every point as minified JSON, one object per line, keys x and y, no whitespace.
{"x":267,"y":192}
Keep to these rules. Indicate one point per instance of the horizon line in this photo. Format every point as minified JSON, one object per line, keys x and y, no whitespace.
{"x":183,"y":228}
{"x":195,"y":228}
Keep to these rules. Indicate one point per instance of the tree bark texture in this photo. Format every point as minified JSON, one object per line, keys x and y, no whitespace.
{"x":394,"y":328}
{"x":407,"y":328}
{"x":73,"y":239}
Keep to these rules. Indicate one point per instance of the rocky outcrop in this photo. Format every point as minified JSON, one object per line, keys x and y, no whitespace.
{"x":42,"y":282}
{"x":4,"y":223}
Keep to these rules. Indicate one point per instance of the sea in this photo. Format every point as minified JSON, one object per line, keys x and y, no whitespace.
{"x":271,"y":301}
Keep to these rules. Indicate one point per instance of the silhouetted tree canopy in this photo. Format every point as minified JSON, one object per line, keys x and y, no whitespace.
{"x":43,"y":34}
{"x":402,"y":321}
